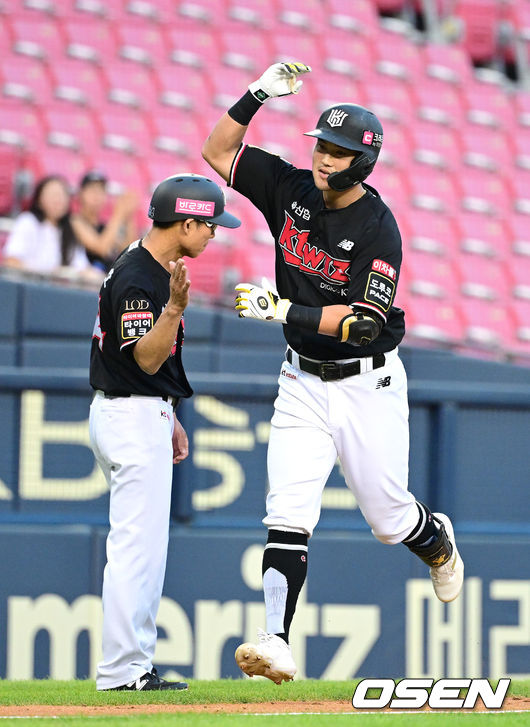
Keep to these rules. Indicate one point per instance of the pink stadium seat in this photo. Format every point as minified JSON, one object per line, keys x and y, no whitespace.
{"x":440,"y":101}
{"x":9,"y":165}
{"x":483,"y":235}
{"x":390,"y":6}
{"x":482,"y":277}
{"x":345,"y":53}
{"x":205,"y":11}
{"x":131,"y":84}
{"x":521,"y":141}
{"x":25,"y":78}
{"x":518,"y":269}
{"x":306,"y":14}
{"x":301,"y":46}
{"x":193,"y":44}
{"x":521,"y":100}
{"x":429,"y":275}
{"x":392,"y":185}
{"x":90,"y":38}
{"x":254,"y":13}
{"x":228,"y":84}
{"x":37,"y":36}
{"x":245,"y":50}
{"x":160,"y":165}
{"x":486,"y":147}
{"x":436,"y":145}
{"x":490,"y":105}
{"x":72,"y":127}
{"x":332,"y":88}
{"x":71,"y":164}
{"x":430,"y":232}
{"x":207,"y":272}
{"x":389,"y":100}
{"x":480,"y":19}
{"x":397,"y":144}
{"x":164,"y":12}
{"x":123,"y":171}
{"x":78,"y":81}
{"x":519,"y":233}
{"x":398,"y":57}
{"x":448,"y":63}
{"x":487,"y":323}
{"x":519,"y":310}
{"x":126,"y":129}
{"x":360,"y":16}
{"x":21,"y":125}
{"x":484,"y":192}
{"x":178,"y":132}
{"x":185,"y":88}
{"x":520,"y":181}
{"x":141,"y":42}
{"x":432,"y":188}
{"x":283,"y":136}
{"x":431,"y":321}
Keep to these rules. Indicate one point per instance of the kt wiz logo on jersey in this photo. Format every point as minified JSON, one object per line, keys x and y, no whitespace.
{"x":309,"y":258}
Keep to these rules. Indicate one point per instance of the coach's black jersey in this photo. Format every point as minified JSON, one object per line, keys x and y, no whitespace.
{"x":325,"y":256}
{"x":131,"y":299}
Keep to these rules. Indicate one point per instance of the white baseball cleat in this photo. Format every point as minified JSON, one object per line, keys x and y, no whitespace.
{"x":448,"y":579}
{"x":271,"y":657}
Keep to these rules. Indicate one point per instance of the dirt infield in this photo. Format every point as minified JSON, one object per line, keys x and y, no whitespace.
{"x":511,"y":704}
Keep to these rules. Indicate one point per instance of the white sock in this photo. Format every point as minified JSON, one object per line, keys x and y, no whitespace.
{"x":275,"y":592}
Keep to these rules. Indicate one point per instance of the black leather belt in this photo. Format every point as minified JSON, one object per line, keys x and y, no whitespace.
{"x":332,"y":370}
{"x":173,"y":400}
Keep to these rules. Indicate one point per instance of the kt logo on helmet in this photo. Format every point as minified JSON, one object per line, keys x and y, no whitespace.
{"x":309,"y":259}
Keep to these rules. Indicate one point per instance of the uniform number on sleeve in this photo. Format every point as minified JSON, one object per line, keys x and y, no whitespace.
{"x":135,"y":325}
{"x":379,"y":291}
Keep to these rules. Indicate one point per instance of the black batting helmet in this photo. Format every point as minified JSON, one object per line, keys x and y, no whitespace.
{"x":356,"y":128}
{"x":190,"y":195}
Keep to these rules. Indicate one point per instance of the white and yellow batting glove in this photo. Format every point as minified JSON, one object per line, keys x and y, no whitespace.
{"x":280,"y":79}
{"x":261,"y":303}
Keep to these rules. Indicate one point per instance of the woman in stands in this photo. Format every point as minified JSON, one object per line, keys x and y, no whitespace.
{"x":42,"y":239}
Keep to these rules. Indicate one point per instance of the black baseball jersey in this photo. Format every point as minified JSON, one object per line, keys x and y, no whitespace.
{"x":325,"y":256}
{"x":131,"y":299}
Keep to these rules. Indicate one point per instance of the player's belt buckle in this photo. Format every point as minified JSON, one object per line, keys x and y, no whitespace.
{"x":330,"y":371}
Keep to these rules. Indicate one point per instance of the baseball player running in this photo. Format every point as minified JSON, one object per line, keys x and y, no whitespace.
{"x":136,"y":370}
{"x":342,"y":388}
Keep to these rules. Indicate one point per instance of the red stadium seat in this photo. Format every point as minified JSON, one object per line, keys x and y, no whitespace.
{"x":519,"y":226}
{"x":38,"y":37}
{"x":482,"y":235}
{"x":126,"y":129}
{"x":208,"y":271}
{"x":435,"y":145}
{"x":72,"y":127}
{"x":431,"y":321}
{"x":242,"y":49}
{"x":448,"y":63}
{"x":90,"y":38}
{"x":79,"y":81}
{"x":430,"y":275}
{"x":398,"y":57}
{"x":10,"y":163}
{"x":193,"y":44}
{"x":440,"y":101}
{"x":26,"y":78}
{"x":430,"y":232}
{"x":141,"y":42}
{"x":131,"y":84}
{"x":489,"y":105}
{"x":389,"y":100}
{"x":482,"y":277}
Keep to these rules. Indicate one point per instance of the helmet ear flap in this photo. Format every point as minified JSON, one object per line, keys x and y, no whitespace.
{"x":357,"y":172}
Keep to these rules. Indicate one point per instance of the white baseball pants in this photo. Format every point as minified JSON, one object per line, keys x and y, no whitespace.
{"x":131,"y":439}
{"x":363,"y":420}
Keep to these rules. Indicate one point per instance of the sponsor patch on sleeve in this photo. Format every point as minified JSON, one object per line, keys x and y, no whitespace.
{"x":384,"y":268}
{"x":135,"y":324}
{"x":379,"y":291}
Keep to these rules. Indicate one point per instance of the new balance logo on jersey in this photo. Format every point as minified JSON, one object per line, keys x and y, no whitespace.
{"x":383,"y":382}
{"x":346,"y":245}
{"x":336,"y":117}
{"x":308,"y":258}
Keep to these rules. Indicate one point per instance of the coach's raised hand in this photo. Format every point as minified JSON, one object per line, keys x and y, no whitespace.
{"x":280,"y":79}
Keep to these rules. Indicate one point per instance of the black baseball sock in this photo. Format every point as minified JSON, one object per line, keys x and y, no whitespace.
{"x":428,"y":540}
{"x":284,"y":572}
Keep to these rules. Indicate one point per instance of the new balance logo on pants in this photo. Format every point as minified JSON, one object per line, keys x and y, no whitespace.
{"x":383,"y":382}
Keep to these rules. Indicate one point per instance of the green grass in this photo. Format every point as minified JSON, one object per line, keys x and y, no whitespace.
{"x":234,"y":691}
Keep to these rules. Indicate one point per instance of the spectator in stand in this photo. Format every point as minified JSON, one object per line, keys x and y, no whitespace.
{"x":42,"y":239}
{"x":103,"y":241}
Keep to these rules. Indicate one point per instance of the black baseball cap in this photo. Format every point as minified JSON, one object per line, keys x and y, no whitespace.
{"x":91,"y":177}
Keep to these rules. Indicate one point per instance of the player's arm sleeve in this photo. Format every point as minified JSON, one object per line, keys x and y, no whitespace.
{"x":257,"y":174}
{"x":375,"y":272}
{"x":135,"y":317}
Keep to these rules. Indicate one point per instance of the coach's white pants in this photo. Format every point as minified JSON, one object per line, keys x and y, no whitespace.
{"x":363,"y":420}
{"x":131,"y":439}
